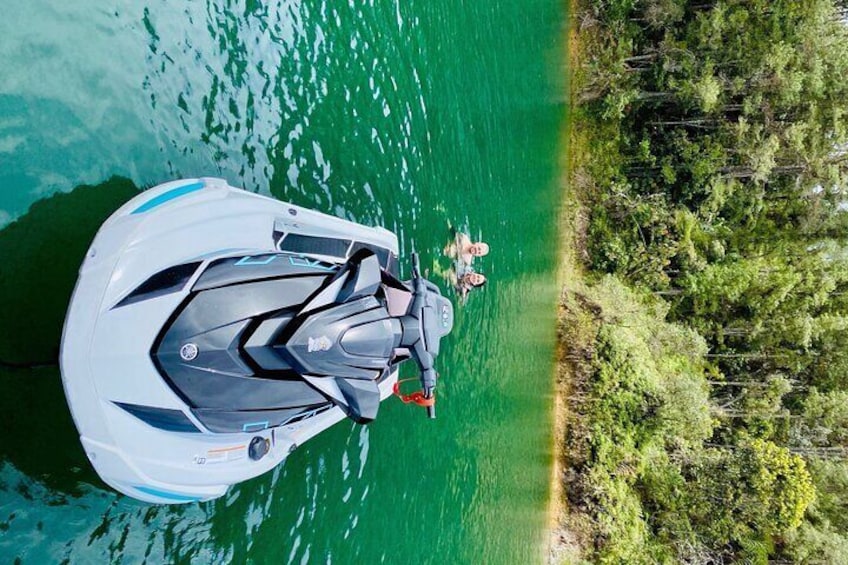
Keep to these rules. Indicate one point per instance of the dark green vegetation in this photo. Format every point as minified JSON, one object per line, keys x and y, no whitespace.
{"x":710,"y":352}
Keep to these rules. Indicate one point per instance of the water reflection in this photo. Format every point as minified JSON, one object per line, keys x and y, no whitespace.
{"x":41,"y":254}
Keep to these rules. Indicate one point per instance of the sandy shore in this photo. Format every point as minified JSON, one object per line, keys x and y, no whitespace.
{"x":562,"y":546}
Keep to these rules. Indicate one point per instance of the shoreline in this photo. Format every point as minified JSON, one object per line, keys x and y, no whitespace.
{"x":562,"y":545}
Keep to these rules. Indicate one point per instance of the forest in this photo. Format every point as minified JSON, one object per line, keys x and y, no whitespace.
{"x":708,"y":340}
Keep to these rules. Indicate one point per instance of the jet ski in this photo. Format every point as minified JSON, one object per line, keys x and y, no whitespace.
{"x":212,"y":331}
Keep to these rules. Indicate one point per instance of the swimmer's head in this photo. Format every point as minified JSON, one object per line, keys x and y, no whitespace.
{"x":474,"y":279}
{"x":479,"y":249}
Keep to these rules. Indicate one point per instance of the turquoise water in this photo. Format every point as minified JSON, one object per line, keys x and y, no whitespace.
{"x":417,"y":116}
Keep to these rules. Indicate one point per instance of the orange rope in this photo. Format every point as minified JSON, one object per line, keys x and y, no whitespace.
{"x":414,"y":398}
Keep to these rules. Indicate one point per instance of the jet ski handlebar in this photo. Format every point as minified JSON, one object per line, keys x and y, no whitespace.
{"x":424,"y":302}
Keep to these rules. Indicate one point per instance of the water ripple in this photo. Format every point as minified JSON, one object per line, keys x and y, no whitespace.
{"x":413,"y":115}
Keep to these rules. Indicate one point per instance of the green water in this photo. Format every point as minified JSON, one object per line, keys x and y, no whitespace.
{"x":416,"y":115}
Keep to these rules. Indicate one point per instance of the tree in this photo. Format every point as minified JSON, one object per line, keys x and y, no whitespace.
{"x":749,"y":493}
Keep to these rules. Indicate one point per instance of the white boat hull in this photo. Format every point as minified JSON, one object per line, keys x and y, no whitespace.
{"x":105,"y":356}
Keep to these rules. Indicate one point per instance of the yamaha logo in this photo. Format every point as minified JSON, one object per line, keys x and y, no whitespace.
{"x":188,"y":352}
{"x":322,"y":343}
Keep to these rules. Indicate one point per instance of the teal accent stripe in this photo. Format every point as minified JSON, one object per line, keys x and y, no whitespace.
{"x":249,"y":260}
{"x":168,"y":196}
{"x":257,"y":425}
{"x":304,"y":262}
{"x":168,"y":495}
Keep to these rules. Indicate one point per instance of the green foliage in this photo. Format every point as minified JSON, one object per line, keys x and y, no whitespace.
{"x":781,"y":483}
{"x":818,"y":544}
{"x":745,"y":496}
{"x":831,"y":505}
{"x":715,"y":421}
{"x":736,"y":112}
{"x":823,"y":421}
{"x":655,"y":490}
{"x":648,"y":413}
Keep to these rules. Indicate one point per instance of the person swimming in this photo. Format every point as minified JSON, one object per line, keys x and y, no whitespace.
{"x":462,"y":275}
{"x":465,"y":279}
{"x":464,"y":250}
{"x":469,"y":281}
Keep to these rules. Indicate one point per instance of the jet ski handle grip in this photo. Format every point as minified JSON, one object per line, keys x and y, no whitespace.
{"x":428,"y":387}
{"x":416,"y":267}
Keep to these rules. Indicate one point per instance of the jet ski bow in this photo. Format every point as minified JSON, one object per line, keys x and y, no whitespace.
{"x":213,"y":330}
